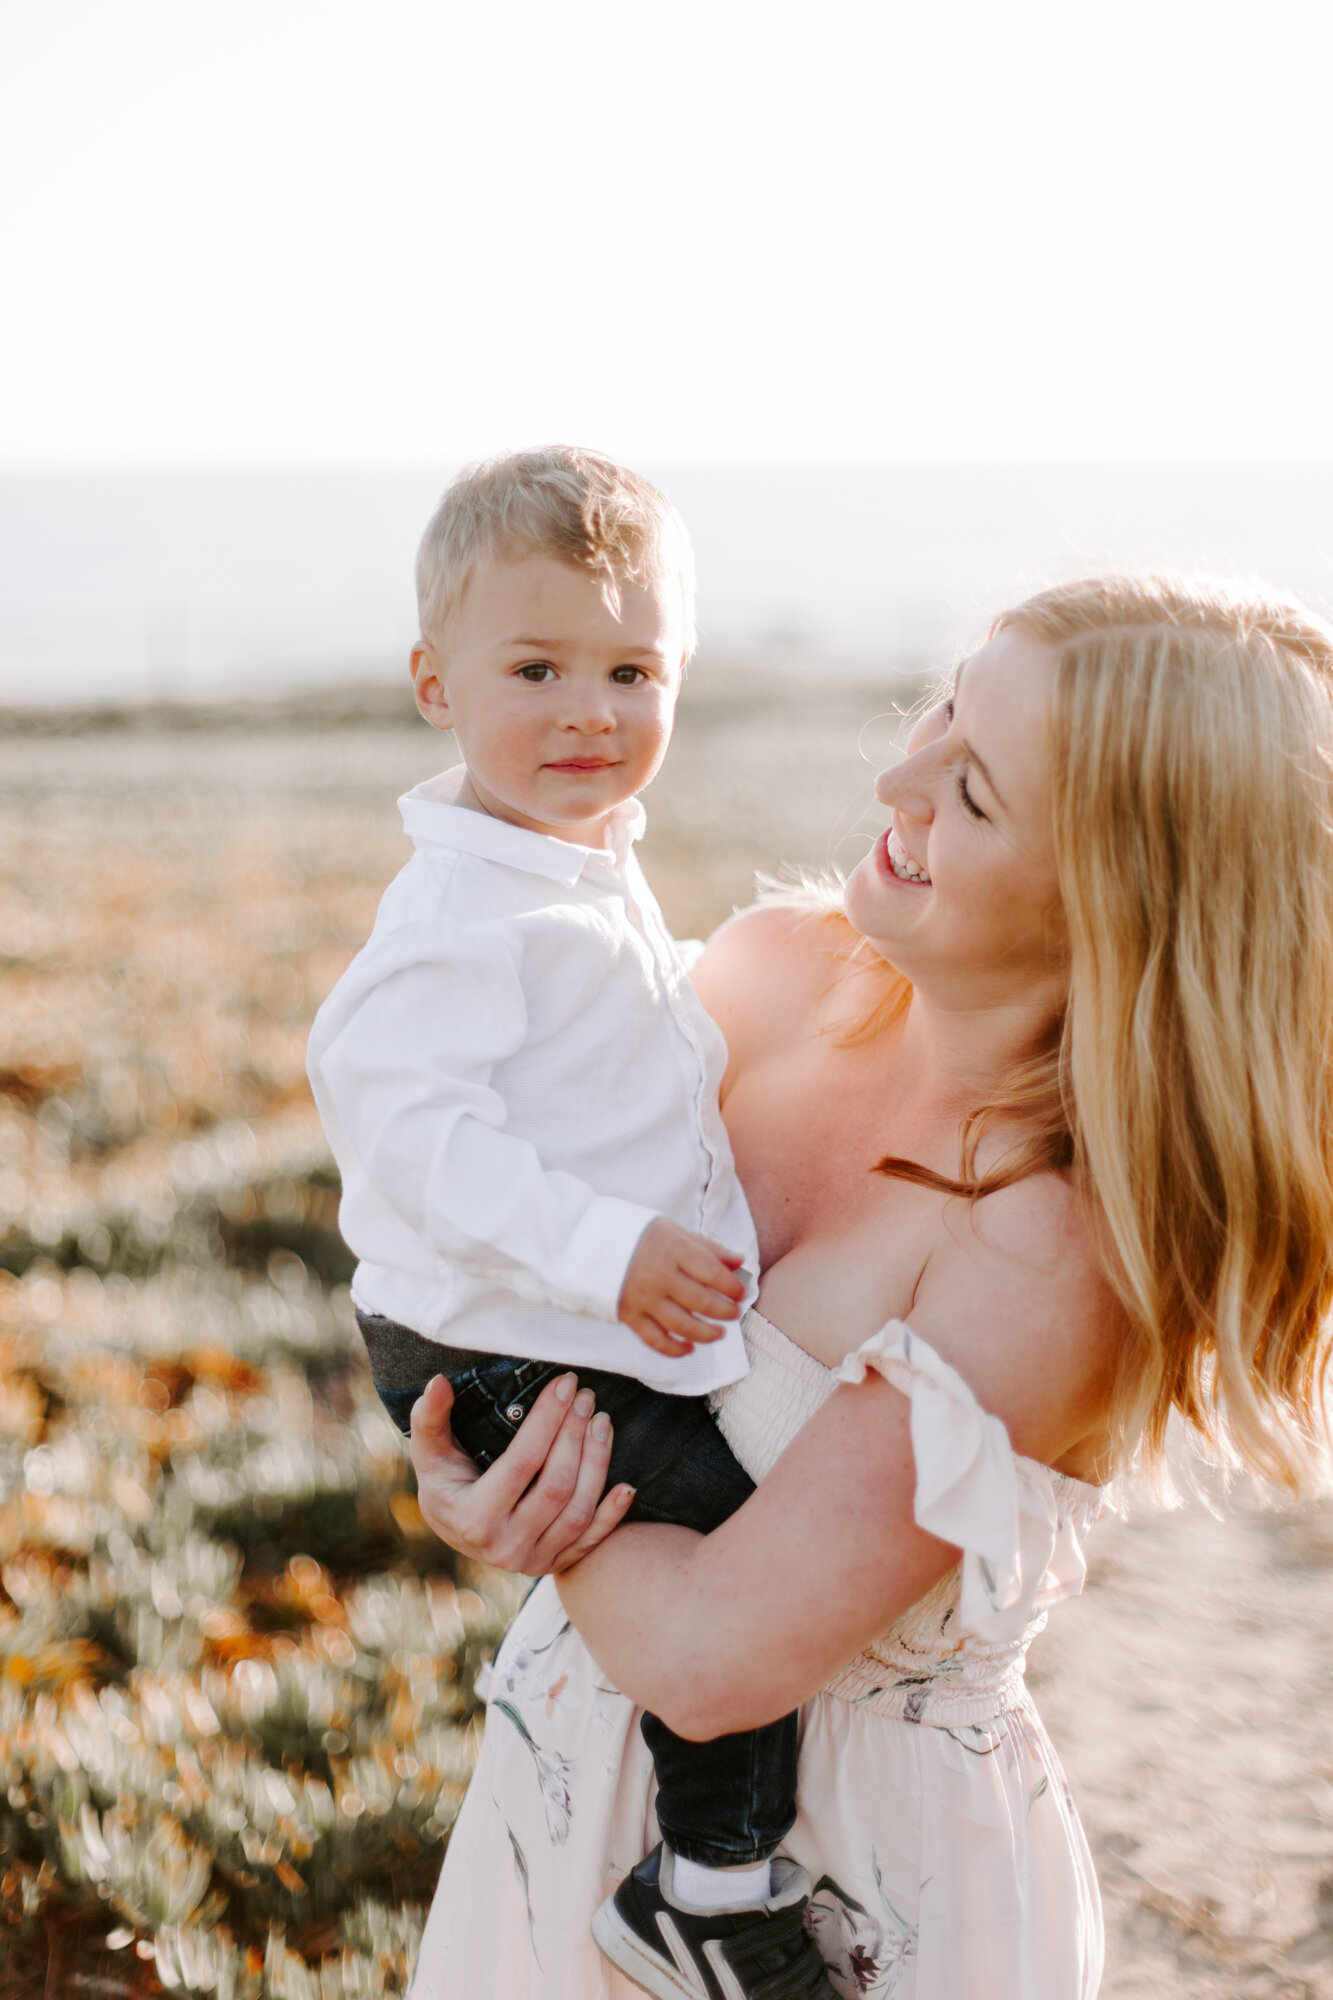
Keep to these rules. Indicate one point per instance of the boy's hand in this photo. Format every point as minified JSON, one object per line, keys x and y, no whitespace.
{"x":676,"y":1285}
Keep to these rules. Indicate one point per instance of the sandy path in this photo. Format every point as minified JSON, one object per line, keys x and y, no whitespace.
{"x":1191,"y":1694}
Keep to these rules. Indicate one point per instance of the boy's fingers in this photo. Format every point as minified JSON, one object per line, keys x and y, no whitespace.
{"x":697,"y":1298}
{"x":731,"y":1258}
{"x":653,"y":1334}
{"x":708,"y":1270}
{"x":686,"y":1325}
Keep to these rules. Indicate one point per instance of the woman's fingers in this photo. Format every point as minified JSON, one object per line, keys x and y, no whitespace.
{"x":430,"y":1412}
{"x":503,"y":1484}
{"x":609,"y":1515}
{"x":446,"y":1476}
{"x":557,"y":1479}
{"x":576,"y":1516}
{"x":438,"y":1460}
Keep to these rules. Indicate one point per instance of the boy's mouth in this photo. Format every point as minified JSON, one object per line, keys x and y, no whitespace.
{"x":582,"y":764}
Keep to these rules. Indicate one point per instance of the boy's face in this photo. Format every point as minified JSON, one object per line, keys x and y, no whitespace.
{"x":562,"y":709}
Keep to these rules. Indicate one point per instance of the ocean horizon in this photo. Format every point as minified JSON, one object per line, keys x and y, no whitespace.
{"x":200,"y":587}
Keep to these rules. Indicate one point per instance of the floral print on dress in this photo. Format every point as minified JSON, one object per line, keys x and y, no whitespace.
{"x":932,"y":1813}
{"x":865,"y":1953}
{"x":555,"y":1773}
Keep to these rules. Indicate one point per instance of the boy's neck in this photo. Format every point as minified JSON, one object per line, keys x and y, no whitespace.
{"x":588,"y":833}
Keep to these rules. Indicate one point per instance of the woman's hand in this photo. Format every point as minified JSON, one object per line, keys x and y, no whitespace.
{"x":536,"y":1510}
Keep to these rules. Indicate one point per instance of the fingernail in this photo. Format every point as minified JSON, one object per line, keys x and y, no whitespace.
{"x":601,"y":1427}
{"x":627,"y":1493}
{"x":565,"y":1388}
{"x":585,"y":1402}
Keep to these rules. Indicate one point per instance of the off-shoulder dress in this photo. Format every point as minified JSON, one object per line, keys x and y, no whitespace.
{"x":933,"y":1814}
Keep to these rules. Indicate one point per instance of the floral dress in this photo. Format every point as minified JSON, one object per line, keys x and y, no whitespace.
{"x":947,"y":1858}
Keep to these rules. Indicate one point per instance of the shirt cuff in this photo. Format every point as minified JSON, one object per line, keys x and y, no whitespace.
{"x":601,"y":1251}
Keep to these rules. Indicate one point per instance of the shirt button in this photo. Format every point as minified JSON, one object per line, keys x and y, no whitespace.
{"x":515,"y":1413}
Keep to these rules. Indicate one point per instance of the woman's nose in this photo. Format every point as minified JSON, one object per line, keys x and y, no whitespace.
{"x":902,"y":787}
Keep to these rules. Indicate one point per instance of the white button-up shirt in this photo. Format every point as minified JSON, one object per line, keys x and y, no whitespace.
{"x":516,"y":1077}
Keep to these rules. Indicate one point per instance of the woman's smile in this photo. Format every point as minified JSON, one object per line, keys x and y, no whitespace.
{"x":895,"y":860}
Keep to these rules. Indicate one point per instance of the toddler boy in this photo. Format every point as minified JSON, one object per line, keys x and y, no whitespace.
{"x":521,"y":1092}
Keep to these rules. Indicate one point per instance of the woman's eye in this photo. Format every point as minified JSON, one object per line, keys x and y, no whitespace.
{"x":967,"y":798}
{"x":628,"y":676}
{"x":535,"y":670}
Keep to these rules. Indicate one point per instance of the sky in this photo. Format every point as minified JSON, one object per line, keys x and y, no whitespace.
{"x":309,"y":233}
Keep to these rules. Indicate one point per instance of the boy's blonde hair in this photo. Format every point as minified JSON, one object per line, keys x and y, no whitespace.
{"x":1189,"y":1084}
{"x":558,"y":500}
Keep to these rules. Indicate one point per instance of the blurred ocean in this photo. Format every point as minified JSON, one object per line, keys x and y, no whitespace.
{"x":120,"y":589}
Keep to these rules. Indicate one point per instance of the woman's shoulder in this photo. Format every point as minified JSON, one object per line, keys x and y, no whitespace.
{"x":1020,"y":1270}
{"x":765,"y":972}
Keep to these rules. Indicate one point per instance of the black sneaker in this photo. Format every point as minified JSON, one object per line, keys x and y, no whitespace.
{"x":683,"y":1954}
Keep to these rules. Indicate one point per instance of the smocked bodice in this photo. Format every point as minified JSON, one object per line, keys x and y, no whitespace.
{"x":957,"y":1657}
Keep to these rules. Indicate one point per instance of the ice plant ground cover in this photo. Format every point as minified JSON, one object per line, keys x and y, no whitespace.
{"x":236,"y":1671}
{"x":236,"y":1708}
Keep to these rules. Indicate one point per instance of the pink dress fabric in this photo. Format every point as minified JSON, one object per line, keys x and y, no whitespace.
{"x":933,"y":1815}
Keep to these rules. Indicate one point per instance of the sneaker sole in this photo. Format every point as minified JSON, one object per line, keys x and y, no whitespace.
{"x":616,"y":1941}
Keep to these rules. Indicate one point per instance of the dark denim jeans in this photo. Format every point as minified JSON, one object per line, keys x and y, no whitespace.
{"x":720,"y":1803}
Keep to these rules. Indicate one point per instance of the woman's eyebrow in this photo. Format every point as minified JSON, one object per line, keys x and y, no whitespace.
{"x":980,"y":763}
{"x":969,"y":752}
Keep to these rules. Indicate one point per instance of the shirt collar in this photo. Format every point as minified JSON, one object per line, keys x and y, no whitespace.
{"x":431,"y":818}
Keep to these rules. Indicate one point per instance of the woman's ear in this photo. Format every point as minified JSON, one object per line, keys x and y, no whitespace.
{"x":427,"y":671}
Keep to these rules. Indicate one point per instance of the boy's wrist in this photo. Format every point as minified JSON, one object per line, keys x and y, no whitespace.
{"x":604,"y":1245}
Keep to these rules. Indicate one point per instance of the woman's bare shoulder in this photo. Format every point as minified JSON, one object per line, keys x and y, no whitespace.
{"x":1015,"y":1295}
{"x":764,"y":972}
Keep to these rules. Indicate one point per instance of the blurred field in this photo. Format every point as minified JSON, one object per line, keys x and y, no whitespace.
{"x":236,"y":1707}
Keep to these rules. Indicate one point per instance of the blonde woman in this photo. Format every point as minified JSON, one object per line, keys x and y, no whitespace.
{"x":1038,"y":1136}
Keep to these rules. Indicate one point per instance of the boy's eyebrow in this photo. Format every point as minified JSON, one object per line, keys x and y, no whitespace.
{"x":552,"y":645}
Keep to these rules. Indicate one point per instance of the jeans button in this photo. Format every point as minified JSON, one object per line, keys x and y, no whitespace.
{"x":515,"y":1413}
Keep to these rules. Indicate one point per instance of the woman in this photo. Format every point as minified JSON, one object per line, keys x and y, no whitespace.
{"x":1057,"y":1090}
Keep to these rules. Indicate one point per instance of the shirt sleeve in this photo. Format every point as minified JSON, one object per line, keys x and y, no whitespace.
{"x":401,"y":1061}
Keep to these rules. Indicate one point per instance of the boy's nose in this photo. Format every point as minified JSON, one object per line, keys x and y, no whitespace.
{"x":589,"y":711}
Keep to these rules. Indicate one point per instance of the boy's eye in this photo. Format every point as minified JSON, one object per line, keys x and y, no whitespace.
{"x":535,"y":670}
{"x":628,"y":676}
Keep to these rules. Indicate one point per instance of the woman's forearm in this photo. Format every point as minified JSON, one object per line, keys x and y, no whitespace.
{"x":632,"y":1601}
{"x":724,"y":1632}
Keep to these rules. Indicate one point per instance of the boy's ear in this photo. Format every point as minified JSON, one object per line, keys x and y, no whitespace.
{"x":428,"y":685}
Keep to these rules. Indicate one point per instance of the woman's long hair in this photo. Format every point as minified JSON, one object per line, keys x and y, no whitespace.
{"x":1189,"y":1086}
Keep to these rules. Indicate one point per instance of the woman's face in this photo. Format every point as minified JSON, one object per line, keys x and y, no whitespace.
{"x":960,"y":892}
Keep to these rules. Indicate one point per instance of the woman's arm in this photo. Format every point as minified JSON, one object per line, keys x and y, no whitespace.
{"x":726,"y":1631}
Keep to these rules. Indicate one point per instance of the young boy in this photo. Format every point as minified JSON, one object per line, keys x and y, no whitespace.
{"x":521,"y":1092}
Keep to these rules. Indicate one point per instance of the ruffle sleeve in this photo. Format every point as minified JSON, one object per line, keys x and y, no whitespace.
{"x":1018,"y":1523}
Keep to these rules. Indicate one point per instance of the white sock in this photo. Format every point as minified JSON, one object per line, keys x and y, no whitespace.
{"x":700,"y":1888}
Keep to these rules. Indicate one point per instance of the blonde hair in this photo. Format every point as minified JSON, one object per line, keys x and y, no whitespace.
{"x":558,"y":500}
{"x":1189,"y":1084}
